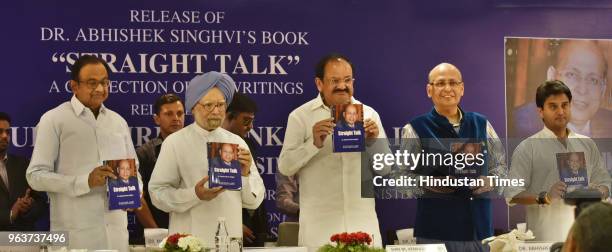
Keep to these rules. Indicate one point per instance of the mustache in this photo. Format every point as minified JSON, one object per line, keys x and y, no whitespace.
{"x":346,"y":90}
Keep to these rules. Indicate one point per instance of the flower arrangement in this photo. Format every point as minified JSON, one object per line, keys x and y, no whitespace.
{"x":350,"y":242}
{"x":182,"y":243}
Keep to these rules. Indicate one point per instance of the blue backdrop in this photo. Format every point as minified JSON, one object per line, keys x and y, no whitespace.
{"x":270,"y":48}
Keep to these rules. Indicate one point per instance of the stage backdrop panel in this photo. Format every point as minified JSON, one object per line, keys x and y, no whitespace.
{"x":270,"y":49}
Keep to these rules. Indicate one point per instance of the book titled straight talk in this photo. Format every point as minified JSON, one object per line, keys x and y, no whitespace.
{"x":124,"y":191}
{"x":223,"y":167}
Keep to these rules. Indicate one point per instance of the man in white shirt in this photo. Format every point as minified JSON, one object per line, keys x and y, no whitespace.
{"x":72,"y":142}
{"x":535,"y":161}
{"x":330,"y":193}
{"x":179,"y":183}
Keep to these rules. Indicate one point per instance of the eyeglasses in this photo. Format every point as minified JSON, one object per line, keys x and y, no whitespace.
{"x":93,"y":84}
{"x":442,"y":84}
{"x":573,"y":78}
{"x":336,"y":81}
{"x":247,"y":121}
{"x":210,"y":106}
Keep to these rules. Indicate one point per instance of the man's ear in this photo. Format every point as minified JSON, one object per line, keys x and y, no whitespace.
{"x":541,"y":113}
{"x":156,"y":119}
{"x":319,"y":84}
{"x":551,"y":73}
{"x":73,"y":85}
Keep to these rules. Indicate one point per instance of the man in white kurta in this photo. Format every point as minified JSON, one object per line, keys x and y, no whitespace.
{"x":329,"y":183}
{"x":72,"y":142}
{"x":535,"y":161}
{"x":179,"y":181}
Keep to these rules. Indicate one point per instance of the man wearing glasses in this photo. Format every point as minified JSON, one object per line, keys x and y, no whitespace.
{"x":72,"y":142}
{"x":349,"y":119}
{"x":459,"y":217}
{"x":179,"y":183}
{"x":330,"y":192}
{"x":581,"y":65}
{"x":240,"y":116}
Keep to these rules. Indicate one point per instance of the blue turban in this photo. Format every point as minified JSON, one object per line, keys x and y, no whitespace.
{"x":201,"y":84}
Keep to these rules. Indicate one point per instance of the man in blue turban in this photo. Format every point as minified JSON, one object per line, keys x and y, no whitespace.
{"x":179,"y":183}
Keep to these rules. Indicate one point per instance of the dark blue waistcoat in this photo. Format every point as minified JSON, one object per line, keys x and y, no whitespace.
{"x":455,"y":217}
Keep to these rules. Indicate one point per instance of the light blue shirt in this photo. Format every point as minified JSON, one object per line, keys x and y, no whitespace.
{"x":70,"y":143}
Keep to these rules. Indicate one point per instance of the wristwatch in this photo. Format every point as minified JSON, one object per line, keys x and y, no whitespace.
{"x":543,"y":198}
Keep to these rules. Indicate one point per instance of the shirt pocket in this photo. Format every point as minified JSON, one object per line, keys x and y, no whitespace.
{"x":113,"y":146}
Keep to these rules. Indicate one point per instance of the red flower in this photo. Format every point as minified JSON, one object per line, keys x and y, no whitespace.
{"x":173,"y":239}
{"x":335,"y":238}
{"x":344,"y":237}
{"x":357,"y":238}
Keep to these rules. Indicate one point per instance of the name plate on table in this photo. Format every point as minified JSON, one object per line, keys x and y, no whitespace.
{"x":277,"y":249}
{"x":416,"y":247}
{"x":535,"y":246}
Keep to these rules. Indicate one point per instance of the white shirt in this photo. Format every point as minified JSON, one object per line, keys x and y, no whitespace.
{"x":329,"y":183}
{"x":181,"y":164}
{"x":70,"y":143}
{"x":534,"y":160}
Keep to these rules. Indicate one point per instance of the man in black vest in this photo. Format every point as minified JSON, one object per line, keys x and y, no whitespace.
{"x":19,"y":205}
{"x":458,"y":216}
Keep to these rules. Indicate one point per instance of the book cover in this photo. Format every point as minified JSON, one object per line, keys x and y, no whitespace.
{"x":124,"y":191}
{"x":572,"y":170}
{"x":468,"y":165}
{"x":349,"y":132}
{"x":223,"y":167}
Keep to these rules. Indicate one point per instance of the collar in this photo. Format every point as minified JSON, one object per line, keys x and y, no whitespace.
{"x":201,"y":131}
{"x":78,"y":107}
{"x":547,"y":133}
{"x":318,"y":103}
{"x":435,"y":113}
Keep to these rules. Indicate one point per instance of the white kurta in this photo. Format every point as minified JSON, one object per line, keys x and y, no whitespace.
{"x":534,"y":160}
{"x":70,"y":143}
{"x":181,"y":164}
{"x":329,"y":183}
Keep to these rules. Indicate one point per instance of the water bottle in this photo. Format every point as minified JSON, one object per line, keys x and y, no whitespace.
{"x":221,"y":236}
